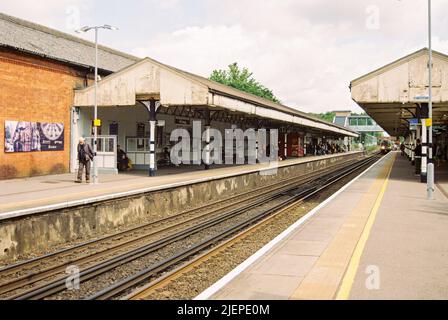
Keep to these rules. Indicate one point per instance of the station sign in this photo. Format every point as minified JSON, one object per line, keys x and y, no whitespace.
{"x":413,"y":122}
{"x":421,"y":98}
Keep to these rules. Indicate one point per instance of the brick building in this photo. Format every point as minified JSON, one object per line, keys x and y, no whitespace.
{"x":39,"y":70}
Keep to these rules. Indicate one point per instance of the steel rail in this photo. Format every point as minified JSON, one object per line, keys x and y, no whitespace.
{"x":28,"y":279}
{"x":132,"y":281}
{"x":87,"y":274}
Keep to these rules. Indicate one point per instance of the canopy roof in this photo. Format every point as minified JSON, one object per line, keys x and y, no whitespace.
{"x":391,"y":93}
{"x":150,"y":79}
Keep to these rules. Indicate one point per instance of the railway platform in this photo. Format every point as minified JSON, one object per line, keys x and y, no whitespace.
{"x":377,"y":238}
{"x":40,"y":194}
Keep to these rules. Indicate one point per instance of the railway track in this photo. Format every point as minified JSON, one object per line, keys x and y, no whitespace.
{"x":49,"y":280}
{"x":249,"y":226}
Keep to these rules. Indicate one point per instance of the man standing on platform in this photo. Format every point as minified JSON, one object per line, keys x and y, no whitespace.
{"x":85,"y":157}
{"x":418,"y":157}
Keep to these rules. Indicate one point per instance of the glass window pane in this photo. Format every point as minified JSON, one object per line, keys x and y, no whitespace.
{"x":110,"y":145}
{"x":131,"y":145}
{"x":141,"y":144}
{"x":362,"y":121}
{"x":353,"y":121}
{"x":340,"y":121}
{"x":369,"y":122}
{"x":100,"y":145}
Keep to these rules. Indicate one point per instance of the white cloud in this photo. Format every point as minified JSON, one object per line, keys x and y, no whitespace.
{"x":307,"y":51}
{"x":51,"y":13}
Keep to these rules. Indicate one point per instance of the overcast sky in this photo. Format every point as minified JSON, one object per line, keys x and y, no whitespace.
{"x":306,"y":51}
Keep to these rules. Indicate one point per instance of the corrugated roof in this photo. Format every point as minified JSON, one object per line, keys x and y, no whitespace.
{"x":40,"y":40}
{"x":223,"y":89}
{"x":37,"y":39}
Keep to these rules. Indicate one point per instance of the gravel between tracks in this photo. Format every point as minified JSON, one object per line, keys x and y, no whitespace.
{"x":190,"y":284}
{"x":203,"y":276}
{"x":91,"y":286}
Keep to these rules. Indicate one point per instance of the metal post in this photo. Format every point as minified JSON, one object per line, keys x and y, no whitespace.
{"x":430,"y":180}
{"x":256,"y":145}
{"x":285,"y":149}
{"x":152,"y":134}
{"x":423,"y":176}
{"x":96,"y":123}
{"x":95,"y":116}
{"x":207,"y":139}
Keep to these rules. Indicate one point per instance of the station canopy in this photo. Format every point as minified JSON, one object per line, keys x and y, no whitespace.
{"x":391,"y":94}
{"x":148,"y":79}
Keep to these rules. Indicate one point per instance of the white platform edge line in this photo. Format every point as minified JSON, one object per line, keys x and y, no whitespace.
{"x":63,"y":205}
{"x":207,"y":293}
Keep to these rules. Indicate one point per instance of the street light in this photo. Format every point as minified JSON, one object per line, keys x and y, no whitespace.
{"x":430,"y":170}
{"x":430,"y":166}
{"x":95,"y":121}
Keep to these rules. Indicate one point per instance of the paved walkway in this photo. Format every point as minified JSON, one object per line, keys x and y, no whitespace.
{"x":378,"y":239}
{"x":60,"y":190}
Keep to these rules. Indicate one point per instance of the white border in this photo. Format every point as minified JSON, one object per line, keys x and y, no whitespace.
{"x":206,"y":294}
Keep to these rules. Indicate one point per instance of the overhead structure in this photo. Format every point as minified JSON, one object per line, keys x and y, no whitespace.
{"x":398,"y":92}
{"x":150,"y":80}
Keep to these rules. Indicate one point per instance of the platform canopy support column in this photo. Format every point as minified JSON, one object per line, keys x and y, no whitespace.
{"x":424,"y":152}
{"x":152,"y":109}
{"x":207,"y":138}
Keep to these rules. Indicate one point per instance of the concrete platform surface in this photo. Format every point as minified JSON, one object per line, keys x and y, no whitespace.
{"x":59,"y":190}
{"x":378,"y":239}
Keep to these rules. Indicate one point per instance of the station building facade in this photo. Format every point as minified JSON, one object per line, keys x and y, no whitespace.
{"x":46,"y":104}
{"x":39,"y":70}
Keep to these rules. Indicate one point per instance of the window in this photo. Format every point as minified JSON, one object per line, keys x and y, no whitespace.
{"x":340,"y":121}
{"x":369,"y":122}
{"x":353,"y":122}
{"x":362,"y":121}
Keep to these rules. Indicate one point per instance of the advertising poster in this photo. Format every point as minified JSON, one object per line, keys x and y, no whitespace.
{"x":23,"y":136}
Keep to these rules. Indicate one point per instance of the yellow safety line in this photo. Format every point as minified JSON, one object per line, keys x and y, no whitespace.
{"x":349,"y":277}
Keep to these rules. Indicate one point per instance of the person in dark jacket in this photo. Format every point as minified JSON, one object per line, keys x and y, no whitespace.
{"x":418,"y":157}
{"x":122,"y":159}
{"x":85,"y":157}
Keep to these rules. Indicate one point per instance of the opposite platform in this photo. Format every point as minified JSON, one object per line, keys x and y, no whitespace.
{"x":39,"y":194}
{"x":379,"y":238}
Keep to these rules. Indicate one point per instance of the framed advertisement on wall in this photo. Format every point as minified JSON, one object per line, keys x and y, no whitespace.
{"x":25,"y":136}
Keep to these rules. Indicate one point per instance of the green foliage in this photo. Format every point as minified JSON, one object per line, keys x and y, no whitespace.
{"x":242,"y":79}
{"x":359,"y":114}
{"x":327,"y":116}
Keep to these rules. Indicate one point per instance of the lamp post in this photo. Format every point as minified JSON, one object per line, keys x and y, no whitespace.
{"x":96,"y":122}
{"x":430,"y":170}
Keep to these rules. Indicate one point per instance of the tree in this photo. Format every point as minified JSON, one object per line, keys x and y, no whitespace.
{"x":242,"y":79}
{"x":327,"y":116}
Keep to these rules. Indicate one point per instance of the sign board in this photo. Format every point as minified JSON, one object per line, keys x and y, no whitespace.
{"x":413,"y":122}
{"x":421,"y":98}
{"x":184,"y":122}
{"x":25,"y":136}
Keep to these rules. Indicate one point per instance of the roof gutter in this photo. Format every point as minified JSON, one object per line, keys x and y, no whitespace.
{"x":213,"y":91}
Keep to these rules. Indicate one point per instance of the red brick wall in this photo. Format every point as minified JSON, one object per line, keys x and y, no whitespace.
{"x":40,"y":90}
